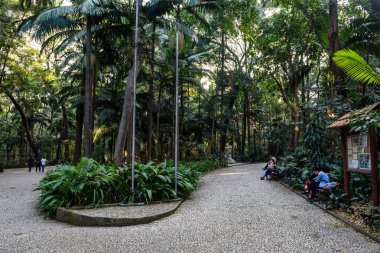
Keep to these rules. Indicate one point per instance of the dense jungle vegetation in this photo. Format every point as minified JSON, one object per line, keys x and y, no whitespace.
{"x":261,"y":75}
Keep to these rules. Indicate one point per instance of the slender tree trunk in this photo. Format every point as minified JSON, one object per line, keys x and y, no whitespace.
{"x":58,"y":153}
{"x":297,"y":115}
{"x":212,"y":141}
{"x":158,"y":134}
{"x":181,"y":137}
{"x":65,"y":134}
{"x":151,"y":95}
{"x":333,"y":36}
{"x":127,"y":106}
{"x":223,"y":135}
{"x":88,"y":102}
{"x":234,"y":92}
{"x":93,"y":95}
{"x":172,"y":143}
{"x":245,"y":116}
{"x":249,"y":123}
{"x":79,"y":123}
{"x":22,"y":148}
{"x":238,"y":141}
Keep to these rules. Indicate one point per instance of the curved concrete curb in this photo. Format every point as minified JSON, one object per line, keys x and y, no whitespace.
{"x":348,"y":223}
{"x":70,"y":216}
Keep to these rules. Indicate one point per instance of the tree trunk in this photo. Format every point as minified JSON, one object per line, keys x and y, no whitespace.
{"x":158,"y":134}
{"x":245,"y":116}
{"x":58,"y":153}
{"x":127,"y":106}
{"x":88,"y":101}
{"x":212,"y":141}
{"x":248,"y":124}
{"x":181,"y":136}
{"x":151,"y":96}
{"x":25,"y":124}
{"x":65,"y":133}
{"x":79,"y":125}
{"x":234,"y":92}
{"x":22,"y":157}
{"x":222,"y":119}
{"x":333,"y":37}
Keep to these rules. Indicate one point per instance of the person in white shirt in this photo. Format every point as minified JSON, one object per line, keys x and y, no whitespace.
{"x":43,"y":163}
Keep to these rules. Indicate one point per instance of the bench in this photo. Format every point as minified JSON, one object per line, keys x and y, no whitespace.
{"x":323,"y":193}
{"x":275,"y":175}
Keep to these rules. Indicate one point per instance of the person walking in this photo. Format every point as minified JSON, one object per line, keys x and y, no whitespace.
{"x":38,"y":163}
{"x":43,"y":163}
{"x":30,"y":163}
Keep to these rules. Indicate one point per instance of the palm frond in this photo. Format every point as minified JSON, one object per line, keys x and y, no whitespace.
{"x":182,"y":28}
{"x":100,"y":131}
{"x":56,"y":37}
{"x":95,"y":7}
{"x":356,"y":67}
{"x":55,"y":12}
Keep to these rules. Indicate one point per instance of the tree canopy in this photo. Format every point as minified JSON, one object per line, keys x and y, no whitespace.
{"x":265,"y":77}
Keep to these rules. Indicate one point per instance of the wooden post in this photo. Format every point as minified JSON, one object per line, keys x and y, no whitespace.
{"x":374,"y":175}
{"x":346,"y":175}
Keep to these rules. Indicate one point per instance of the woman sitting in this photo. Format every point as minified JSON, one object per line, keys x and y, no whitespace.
{"x":268,"y":169}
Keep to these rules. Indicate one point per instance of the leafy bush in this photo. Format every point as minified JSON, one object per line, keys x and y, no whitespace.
{"x":295,"y":169}
{"x":212,"y":163}
{"x":90,"y":183}
{"x":13,"y":164}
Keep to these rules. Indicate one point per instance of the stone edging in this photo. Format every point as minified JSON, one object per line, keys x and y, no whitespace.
{"x":68,"y":216}
{"x":350,"y":224}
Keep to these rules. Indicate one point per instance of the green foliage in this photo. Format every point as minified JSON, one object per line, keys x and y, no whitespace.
{"x":356,"y":67}
{"x":297,"y":167}
{"x":373,"y":217}
{"x":294,"y":170}
{"x":313,"y":141}
{"x":91,"y":183}
{"x":360,"y":188}
{"x":361,"y":122}
{"x":335,"y":199}
{"x":212,"y":163}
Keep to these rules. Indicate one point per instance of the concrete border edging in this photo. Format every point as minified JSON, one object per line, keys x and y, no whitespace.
{"x":350,"y":224}
{"x":68,"y":216}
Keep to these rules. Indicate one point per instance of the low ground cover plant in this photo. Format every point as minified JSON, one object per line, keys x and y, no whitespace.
{"x":91,"y":183}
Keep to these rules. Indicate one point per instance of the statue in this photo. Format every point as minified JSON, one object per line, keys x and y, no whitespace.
{"x":228,"y":155}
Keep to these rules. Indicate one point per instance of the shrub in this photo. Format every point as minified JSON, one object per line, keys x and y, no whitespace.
{"x":90,"y":183}
{"x":212,"y":163}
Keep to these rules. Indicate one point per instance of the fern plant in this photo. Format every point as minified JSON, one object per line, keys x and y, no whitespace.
{"x":91,"y":183}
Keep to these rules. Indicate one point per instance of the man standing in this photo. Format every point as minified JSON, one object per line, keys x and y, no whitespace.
{"x":38,"y":163}
{"x":30,"y":163}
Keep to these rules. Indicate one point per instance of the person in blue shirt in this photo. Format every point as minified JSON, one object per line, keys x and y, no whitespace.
{"x":320,"y":181}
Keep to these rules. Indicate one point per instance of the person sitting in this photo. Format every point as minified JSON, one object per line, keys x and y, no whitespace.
{"x":307,"y":183}
{"x":269,"y":168}
{"x":320,"y":180}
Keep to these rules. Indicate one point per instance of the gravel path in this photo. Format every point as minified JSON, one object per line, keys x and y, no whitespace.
{"x":232,"y":211}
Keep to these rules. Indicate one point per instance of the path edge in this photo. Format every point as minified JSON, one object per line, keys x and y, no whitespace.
{"x":67,"y":215}
{"x":356,"y":228}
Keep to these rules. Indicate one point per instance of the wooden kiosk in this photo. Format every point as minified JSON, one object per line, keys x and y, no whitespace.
{"x":359,"y":151}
